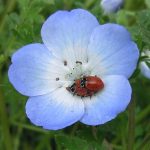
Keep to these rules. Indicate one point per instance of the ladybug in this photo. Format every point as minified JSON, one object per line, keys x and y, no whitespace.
{"x":86,"y":86}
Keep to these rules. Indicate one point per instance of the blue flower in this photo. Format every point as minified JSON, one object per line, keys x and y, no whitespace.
{"x":144,"y":65}
{"x":43,"y":71}
{"x":111,"y":6}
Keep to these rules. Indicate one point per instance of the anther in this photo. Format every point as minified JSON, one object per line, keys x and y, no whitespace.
{"x":65,"y":63}
{"x":57,"y":79}
{"x":78,"y":62}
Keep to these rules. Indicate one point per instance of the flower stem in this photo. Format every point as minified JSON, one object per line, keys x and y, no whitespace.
{"x":94,"y":132}
{"x":131,"y":125}
{"x":75,"y":127}
{"x":4,"y":122}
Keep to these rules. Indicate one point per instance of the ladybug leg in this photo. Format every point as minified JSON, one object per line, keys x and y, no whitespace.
{"x":74,"y":93}
{"x":84,"y":78}
{"x":91,"y":94}
{"x":82,"y":97}
{"x":68,"y":89}
{"x":94,"y":93}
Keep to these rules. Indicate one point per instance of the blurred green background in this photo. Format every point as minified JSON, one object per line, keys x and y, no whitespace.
{"x":20,"y":24}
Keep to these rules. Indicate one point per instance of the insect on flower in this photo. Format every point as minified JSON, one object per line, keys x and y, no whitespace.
{"x":86,"y":86}
{"x":78,"y":57}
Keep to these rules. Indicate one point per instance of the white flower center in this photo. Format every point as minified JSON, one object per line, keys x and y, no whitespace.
{"x":79,"y":70}
{"x":73,"y":72}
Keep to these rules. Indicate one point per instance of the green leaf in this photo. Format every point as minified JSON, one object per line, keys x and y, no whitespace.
{"x":70,"y":143}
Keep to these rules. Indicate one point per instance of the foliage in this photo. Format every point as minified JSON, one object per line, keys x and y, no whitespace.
{"x":20,"y":24}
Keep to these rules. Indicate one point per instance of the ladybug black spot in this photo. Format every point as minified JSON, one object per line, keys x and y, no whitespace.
{"x":82,"y":84}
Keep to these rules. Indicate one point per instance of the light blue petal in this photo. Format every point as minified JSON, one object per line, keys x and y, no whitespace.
{"x":145,"y":70}
{"x":115,"y":52}
{"x":55,"y":110}
{"x":112,"y":100}
{"x":29,"y":72}
{"x":67,"y":34}
{"x":111,"y":6}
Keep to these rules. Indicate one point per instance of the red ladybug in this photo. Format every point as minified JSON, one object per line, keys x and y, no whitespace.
{"x":86,"y":86}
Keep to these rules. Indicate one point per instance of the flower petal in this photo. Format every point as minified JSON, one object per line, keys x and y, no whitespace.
{"x":145,"y":70}
{"x":31,"y":71}
{"x":55,"y":110}
{"x":67,"y":34}
{"x":111,"y":51}
{"x":112,"y":100}
{"x":111,"y":6}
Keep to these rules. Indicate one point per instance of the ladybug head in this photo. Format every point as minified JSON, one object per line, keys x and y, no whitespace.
{"x":71,"y":88}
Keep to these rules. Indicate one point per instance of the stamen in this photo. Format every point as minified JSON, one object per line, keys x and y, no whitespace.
{"x":57,"y":79}
{"x":78,"y":62}
{"x":65,"y":63}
